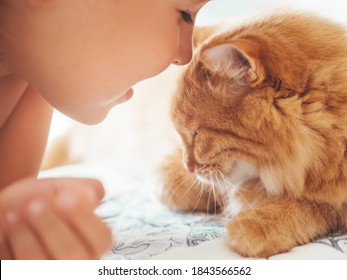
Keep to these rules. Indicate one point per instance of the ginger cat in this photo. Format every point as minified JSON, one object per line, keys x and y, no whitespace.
{"x":262,"y":113}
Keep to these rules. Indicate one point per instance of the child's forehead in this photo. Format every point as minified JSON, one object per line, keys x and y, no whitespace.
{"x":197,"y":3}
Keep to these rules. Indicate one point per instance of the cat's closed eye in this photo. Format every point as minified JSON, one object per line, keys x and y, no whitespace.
{"x":195,"y":133}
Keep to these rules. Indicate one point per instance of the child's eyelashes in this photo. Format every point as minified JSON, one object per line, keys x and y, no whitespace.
{"x":187,"y":17}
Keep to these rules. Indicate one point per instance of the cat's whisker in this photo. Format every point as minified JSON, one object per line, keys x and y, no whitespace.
{"x":212,"y":191}
{"x":212,"y":186}
{"x":215,"y":202}
{"x":220,"y":190}
{"x":182,"y":181}
{"x":245,"y":201}
{"x":226,"y":179}
{"x":199,"y":196}
{"x":188,"y":189}
{"x":224,"y":195}
{"x":208,"y":201}
{"x":238,"y":192}
{"x":202,"y":188}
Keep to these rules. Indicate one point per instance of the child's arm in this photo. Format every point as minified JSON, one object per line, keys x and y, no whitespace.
{"x":52,"y":219}
{"x":44,"y":219}
{"x":24,"y":127}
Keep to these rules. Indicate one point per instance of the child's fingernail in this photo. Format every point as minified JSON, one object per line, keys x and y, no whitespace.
{"x":96,"y":189}
{"x":67,"y":201}
{"x":92,"y":195}
{"x":35,"y":207}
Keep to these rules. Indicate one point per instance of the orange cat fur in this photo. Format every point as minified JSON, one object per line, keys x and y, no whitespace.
{"x":262,"y":113}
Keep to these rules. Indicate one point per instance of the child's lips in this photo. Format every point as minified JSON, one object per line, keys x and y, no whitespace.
{"x":128,"y":94}
{"x":125,"y":96}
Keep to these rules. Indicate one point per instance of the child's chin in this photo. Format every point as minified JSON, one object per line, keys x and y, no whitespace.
{"x":126,"y":95}
{"x":91,"y":117}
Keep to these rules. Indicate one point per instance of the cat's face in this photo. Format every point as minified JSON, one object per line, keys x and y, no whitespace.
{"x":239,"y":117}
{"x":220,"y":118}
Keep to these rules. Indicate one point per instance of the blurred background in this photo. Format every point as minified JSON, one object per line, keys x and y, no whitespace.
{"x":127,"y":121}
{"x":217,"y":9}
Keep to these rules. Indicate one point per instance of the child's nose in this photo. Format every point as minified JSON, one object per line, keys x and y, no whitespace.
{"x":184,"y":54}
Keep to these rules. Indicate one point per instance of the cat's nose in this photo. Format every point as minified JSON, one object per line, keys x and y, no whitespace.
{"x":190,"y":166}
{"x":188,"y":160}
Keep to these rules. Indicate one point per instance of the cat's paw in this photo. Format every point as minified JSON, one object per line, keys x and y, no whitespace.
{"x":252,"y":234}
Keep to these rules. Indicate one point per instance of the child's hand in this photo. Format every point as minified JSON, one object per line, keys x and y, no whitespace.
{"x":52,"y":219}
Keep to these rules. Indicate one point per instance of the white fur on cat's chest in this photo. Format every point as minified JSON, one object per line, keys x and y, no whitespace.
{"x":243,"y":172}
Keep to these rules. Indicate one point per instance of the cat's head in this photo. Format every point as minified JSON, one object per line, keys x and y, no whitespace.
{"x":243,"y":107}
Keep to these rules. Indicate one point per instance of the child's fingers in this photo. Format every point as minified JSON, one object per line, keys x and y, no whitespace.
{"x":20,"y":192}
{"x":57,"y":237}
{"x":5,"y":252}
{"x":22,"y":242}
{"x":94,"y":233}
{"x":91,"y":187}
{"x":69,"y":230}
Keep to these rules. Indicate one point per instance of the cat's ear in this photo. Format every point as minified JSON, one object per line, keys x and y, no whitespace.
{"x":238,"y":60}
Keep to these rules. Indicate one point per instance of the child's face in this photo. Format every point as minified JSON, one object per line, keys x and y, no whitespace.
{"x":84,"y":55}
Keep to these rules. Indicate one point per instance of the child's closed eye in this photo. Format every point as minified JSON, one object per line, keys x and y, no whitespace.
{"x":187,"y":17}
